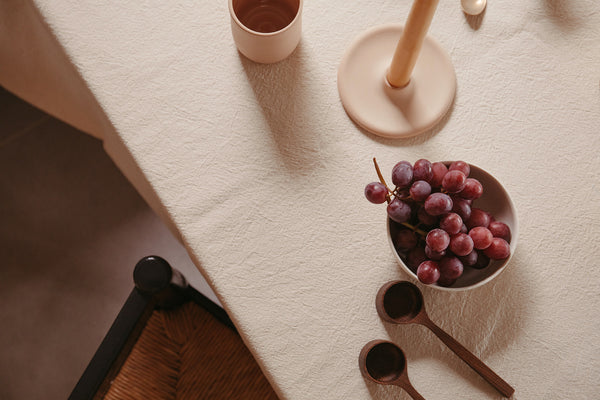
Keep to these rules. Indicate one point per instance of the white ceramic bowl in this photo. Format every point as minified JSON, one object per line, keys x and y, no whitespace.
{"x":495,"y":200}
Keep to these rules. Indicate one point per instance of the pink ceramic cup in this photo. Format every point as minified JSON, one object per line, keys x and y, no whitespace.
{"x":266,"y":31}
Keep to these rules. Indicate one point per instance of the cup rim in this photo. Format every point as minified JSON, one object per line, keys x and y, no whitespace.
{"x":265,"y":34}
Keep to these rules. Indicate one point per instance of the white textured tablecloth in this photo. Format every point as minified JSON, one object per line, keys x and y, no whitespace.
{"x":262,"y":173}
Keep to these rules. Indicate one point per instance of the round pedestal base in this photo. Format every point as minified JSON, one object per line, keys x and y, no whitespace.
{"x":385,"y":110}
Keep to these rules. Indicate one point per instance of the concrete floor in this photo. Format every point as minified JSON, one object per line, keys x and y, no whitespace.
{"x":71,"y":231}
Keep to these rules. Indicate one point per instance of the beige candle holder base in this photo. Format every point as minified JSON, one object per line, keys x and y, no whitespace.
{"x":389,"y":111}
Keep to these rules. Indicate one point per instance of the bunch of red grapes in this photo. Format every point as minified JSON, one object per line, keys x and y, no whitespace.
{"x":436,"y":228}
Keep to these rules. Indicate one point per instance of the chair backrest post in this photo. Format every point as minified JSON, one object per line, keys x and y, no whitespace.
{"x":153,"y":276}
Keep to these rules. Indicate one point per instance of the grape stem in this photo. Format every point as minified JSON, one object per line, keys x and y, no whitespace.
{"x":397,"y":193}
{"x":387,"y":196}
{"x":415,"y":229}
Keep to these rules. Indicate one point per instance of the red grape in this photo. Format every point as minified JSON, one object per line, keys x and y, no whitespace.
{"x":422,"y":170}
{"x":454,"y":181}
{"x":462,"y":207}
{"x":472,"y":190}
{"x":500,"y":229}
{"x":451,"y":223}
{"x":420,"y":190}
{"x":434,"y":255}
{"x":482,"y":260}
{"x":406,"y":239}
{"x":428,"y":272}
{"x":376,"y":192}
{"x":438,"y":170}
{"x":399,"y":211}
{"x":445,"y":281}
{"x":450,"y":267}
{"x":437,"y":240}
{"x":460,"y":166}
{"x":482,"y":237}
{"x":402,"y":174}
{"x":478,"y":218}
{"x":438,"y":204}
{"x":426,"y":218}
{"x":470,"y":259}
{"x":498,"y":250}
{"x":461,"y":244}
{"x":415,"y":257}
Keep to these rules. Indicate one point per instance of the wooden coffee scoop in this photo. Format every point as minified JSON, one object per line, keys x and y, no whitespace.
{"x":383,"y":362}
{"x":401,"y":302}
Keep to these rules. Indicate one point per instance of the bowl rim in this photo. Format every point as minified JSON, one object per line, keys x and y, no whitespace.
{"x":514,"y":228}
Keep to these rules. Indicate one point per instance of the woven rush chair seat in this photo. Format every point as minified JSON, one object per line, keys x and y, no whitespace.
{"x":171,"y":342}
{"x":186,"y":353}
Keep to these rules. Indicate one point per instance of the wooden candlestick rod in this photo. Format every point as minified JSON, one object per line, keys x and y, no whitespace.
{"x":409,"y":46}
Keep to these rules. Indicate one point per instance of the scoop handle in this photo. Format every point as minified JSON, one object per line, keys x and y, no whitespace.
{"x":406,"y":385}
{"x":486,"y":373}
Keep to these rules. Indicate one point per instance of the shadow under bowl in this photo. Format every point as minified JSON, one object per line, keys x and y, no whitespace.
{"x":497,"y":202}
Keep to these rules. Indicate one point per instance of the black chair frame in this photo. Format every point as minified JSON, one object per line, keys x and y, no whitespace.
{"x":157,"y":286}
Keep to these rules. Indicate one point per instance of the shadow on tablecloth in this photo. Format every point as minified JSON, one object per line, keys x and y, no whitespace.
{"x":285,"y":93}
{"x":485,"y":320}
